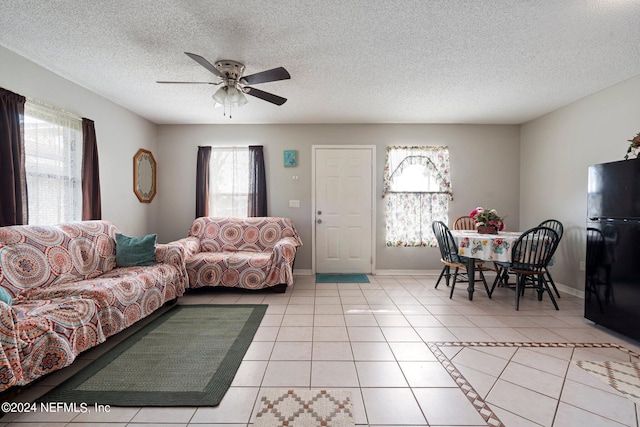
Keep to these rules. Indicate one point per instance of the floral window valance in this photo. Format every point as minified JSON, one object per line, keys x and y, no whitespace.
{"x":434,"y":162}
{"x":417,"y":189}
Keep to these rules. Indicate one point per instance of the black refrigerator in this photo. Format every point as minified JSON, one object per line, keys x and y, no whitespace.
{"x":612,"y":267}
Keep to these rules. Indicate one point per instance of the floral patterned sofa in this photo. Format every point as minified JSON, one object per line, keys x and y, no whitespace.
{"x":250,"y":253}
{"x":68,"y":295}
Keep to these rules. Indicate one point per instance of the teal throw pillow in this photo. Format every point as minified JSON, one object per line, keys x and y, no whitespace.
{"x":135,"y":251}
{"x":5,"y":296}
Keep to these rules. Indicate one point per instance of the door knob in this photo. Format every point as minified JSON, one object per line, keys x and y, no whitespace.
{"x":319,"y":212}
{"x":319,"y":221}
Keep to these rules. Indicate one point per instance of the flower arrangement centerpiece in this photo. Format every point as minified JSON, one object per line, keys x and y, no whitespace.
{"x":633,"y":147}
{"x":487,"y":220}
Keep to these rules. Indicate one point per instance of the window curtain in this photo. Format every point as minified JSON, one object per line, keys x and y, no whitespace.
{"x":91,"y":202}
{"x":410,"y":212}
{"x":53,"y":152}
{"x":13,"y":182}
{"x":202,"y":181}
{"x":257,"y":182}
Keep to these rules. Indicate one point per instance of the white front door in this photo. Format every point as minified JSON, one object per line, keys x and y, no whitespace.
{"x":343,"y":210}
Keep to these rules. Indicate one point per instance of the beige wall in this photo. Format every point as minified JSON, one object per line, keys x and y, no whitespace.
{"x":529,"y":172}
{"x":557,"y":149}
{"x":119,"y":132}
{"x":484,"y":162}
{"x":484,"y":171}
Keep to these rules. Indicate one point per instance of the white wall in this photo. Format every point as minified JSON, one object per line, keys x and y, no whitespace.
{"x":119,"y":133}
{"x":555,"y":152}
{"x":484,"y":171}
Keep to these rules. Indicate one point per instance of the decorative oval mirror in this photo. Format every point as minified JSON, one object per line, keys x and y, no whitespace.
{"x":144,"y":175}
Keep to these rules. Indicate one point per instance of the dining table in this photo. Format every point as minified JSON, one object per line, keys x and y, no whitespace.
{"x":484,"y":247}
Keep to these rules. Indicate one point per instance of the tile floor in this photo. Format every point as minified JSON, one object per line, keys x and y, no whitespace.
{"x":409,"y":355}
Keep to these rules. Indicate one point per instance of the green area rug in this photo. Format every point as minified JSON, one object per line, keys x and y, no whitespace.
{"x":186,"y":357}
{"x":341,"y":278}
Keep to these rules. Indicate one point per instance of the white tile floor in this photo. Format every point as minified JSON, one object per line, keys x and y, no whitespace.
{"x":397,"y":344}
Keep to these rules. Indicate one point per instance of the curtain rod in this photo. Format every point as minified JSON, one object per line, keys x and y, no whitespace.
{"x":228,"y":147}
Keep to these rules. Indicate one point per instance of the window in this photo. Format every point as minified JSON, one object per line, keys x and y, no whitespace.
{"x":229,"y":183}
{"x":417,"y":190}
{"x":53,"y":163}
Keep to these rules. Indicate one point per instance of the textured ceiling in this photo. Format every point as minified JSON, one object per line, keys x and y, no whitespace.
{"x":351,"y":61}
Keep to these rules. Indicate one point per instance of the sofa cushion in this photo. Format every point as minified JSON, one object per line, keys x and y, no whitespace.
{"x":244,"y":269}
{"x":241,"y":234}
{"x":123,"y":296}
{"x":135,"y":251}
{"x":34,"y":256}
{"x":49,"y":334}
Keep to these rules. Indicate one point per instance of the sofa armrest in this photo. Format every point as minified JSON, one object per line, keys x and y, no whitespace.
{"x":171,"y":253}
{"x":284,"y":251}
{"x":10,"y":368}
{"x":190,"y":244}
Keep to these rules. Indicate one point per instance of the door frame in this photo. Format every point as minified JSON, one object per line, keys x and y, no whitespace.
{"x":372,"y":148}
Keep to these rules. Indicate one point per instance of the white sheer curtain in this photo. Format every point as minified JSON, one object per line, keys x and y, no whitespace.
{"x":53,"y":153}
{"x":417,"y":189}
{"x":229,"y":182}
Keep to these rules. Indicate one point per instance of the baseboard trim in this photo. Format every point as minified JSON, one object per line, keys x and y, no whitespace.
{"x":407,"y":272}
{"x":302,"y":272}
{"x":569,"y":290}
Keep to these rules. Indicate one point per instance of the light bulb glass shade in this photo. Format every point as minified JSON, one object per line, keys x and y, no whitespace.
{"x":232,"y":94}
{"x":241,"y":99}
{"x":221,"y":95}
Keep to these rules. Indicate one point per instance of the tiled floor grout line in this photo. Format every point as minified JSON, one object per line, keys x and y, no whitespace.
{"x":474,"y":397}
{"x":564,"y":382}
{"x":470,"y":393}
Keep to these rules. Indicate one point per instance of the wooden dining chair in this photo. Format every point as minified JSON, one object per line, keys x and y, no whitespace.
{"x":464,"y":223}
{"x":556,"y":226}
{"x":530,"y":257}
{"x":450,"y":258}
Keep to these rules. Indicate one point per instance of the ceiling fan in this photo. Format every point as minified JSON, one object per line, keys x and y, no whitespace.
{"x":235,"y":84}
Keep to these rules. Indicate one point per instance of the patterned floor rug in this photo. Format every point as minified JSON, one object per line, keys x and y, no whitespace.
{"x":623,"y":376}
{"x":305,"y":408}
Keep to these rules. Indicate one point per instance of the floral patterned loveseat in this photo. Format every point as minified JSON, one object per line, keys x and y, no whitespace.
{"x":250,"y":253}
{"x":68,"y":295}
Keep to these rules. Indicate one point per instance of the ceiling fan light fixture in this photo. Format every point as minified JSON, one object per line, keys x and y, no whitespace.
{"x":221,"y":95}
{"x":241,"y":100}
{"x":229,"y":95}
{"x":232,"y":94}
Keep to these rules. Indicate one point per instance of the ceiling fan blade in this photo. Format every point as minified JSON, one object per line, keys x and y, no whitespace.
{"x":266,"y":96}
{"x":187,"y":83}
{"x":272,"y":75}
{"x":206,"y":64}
